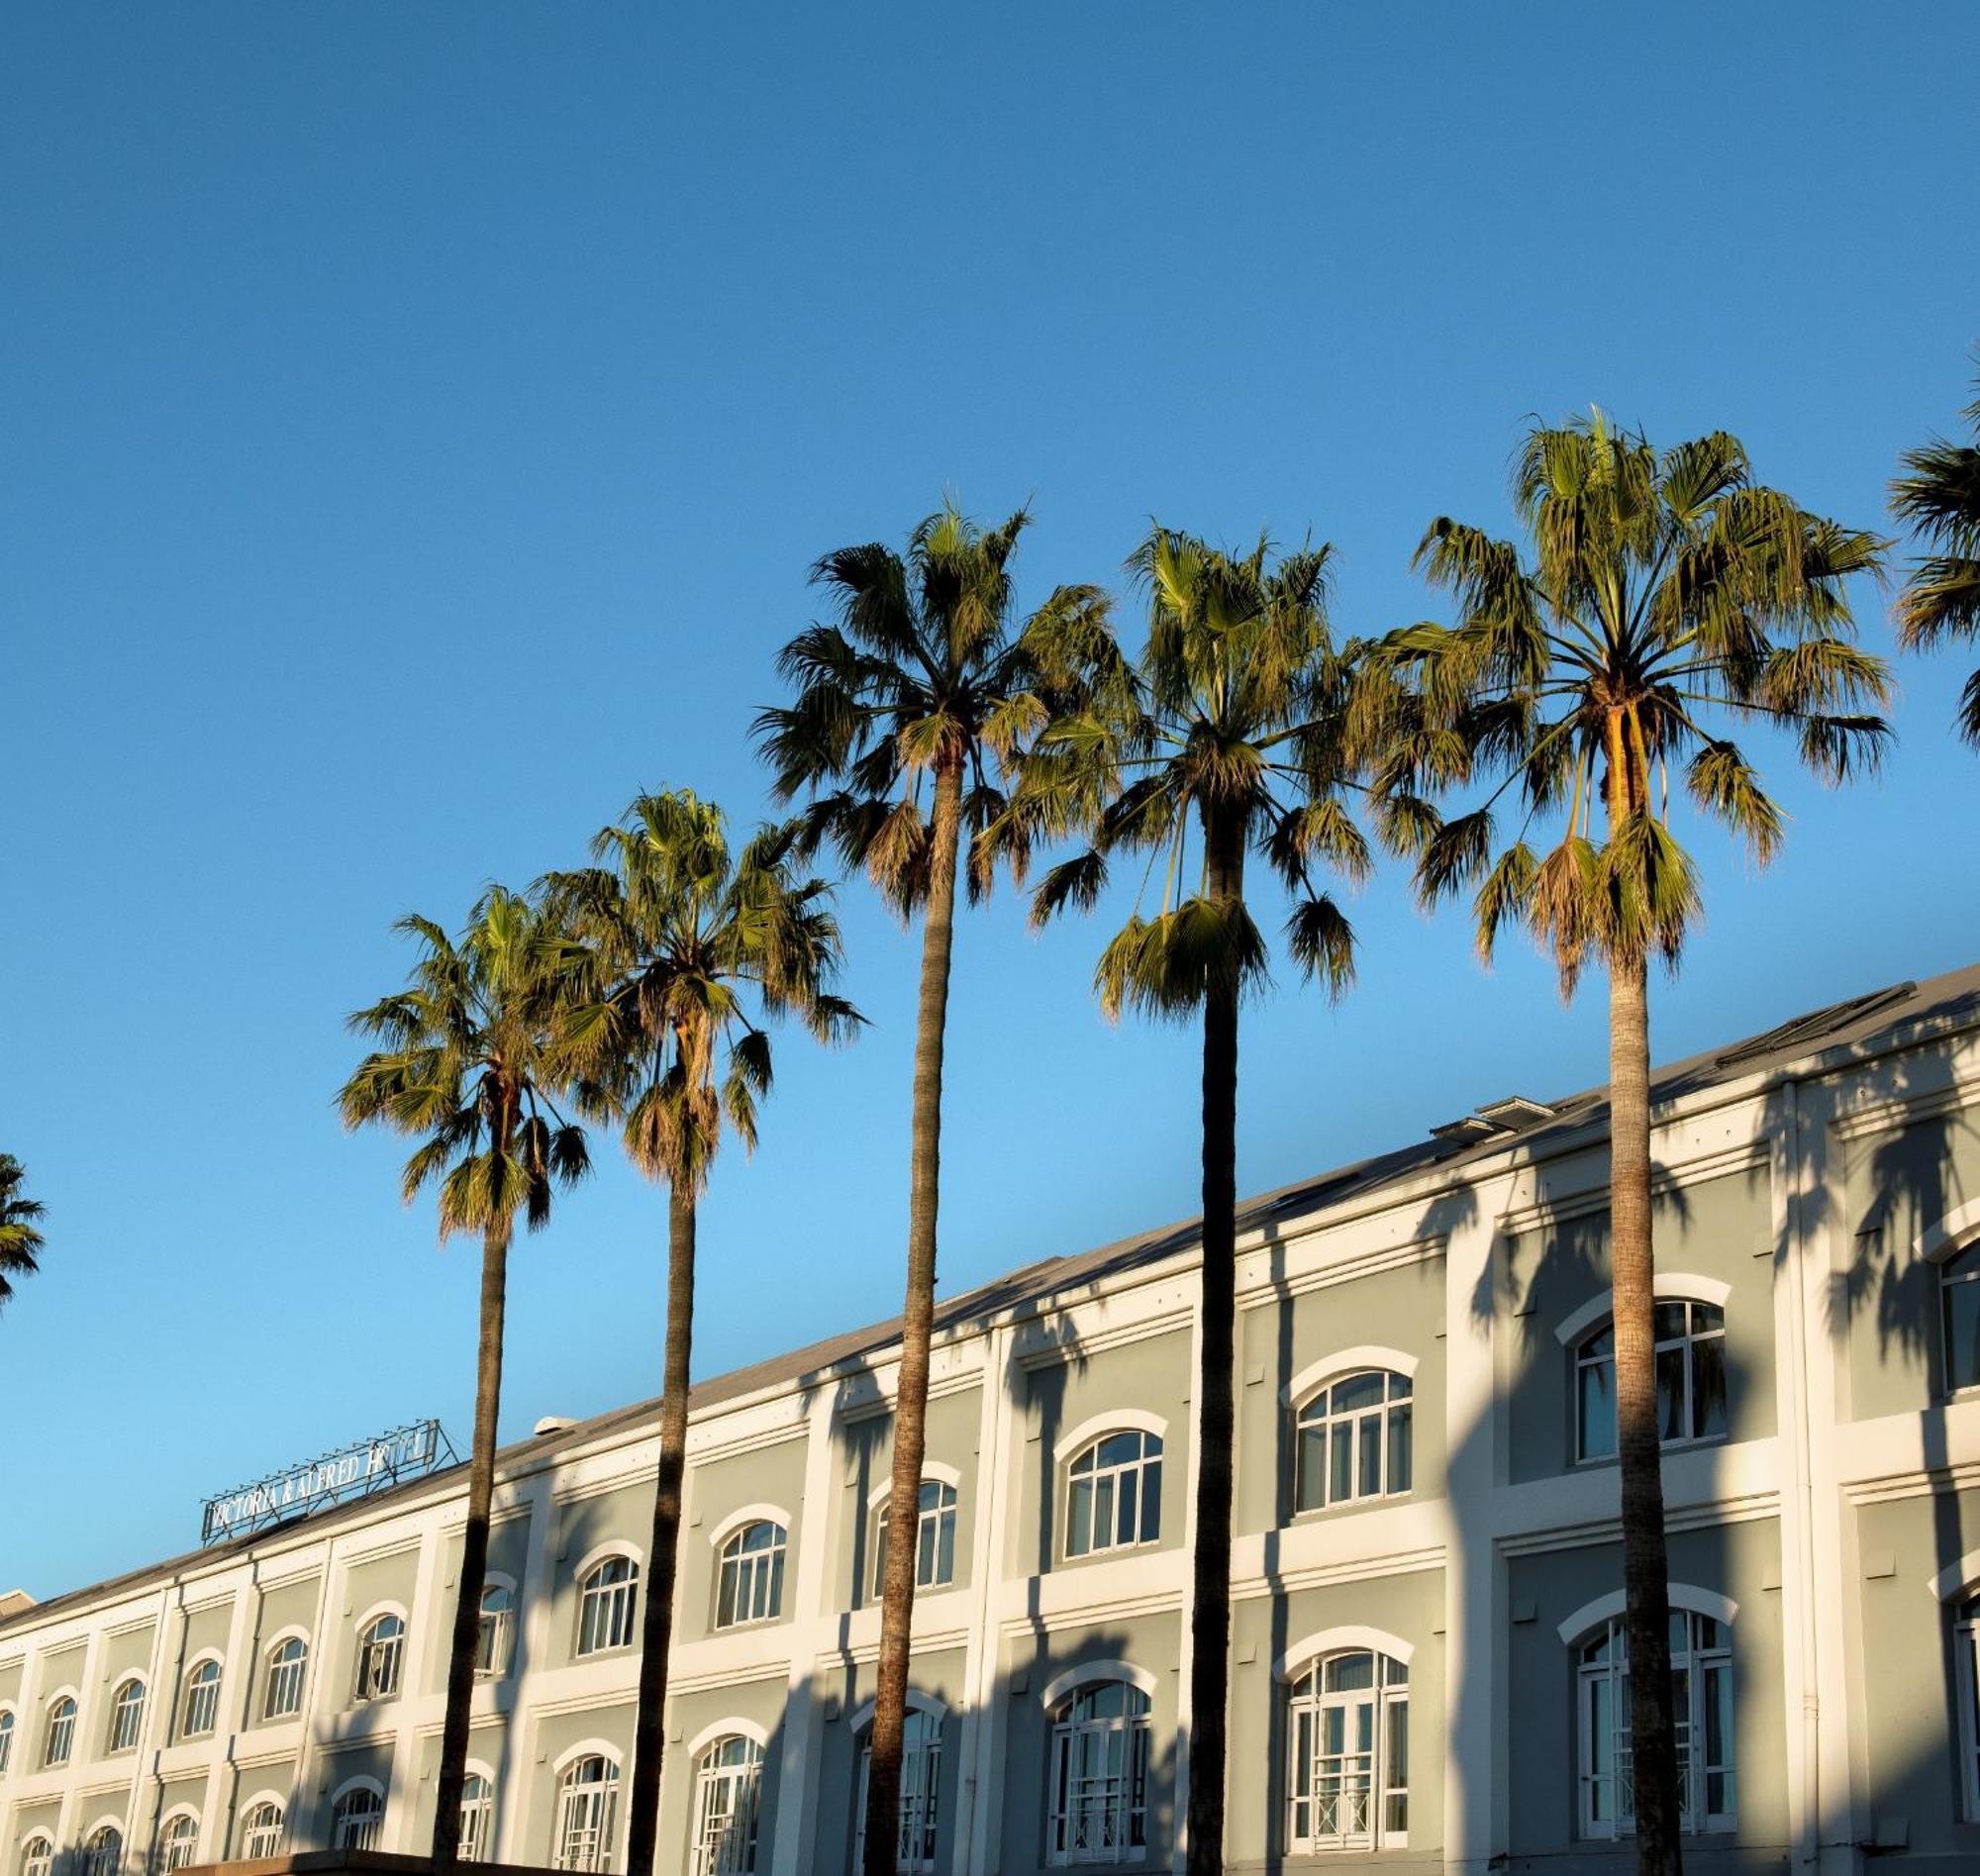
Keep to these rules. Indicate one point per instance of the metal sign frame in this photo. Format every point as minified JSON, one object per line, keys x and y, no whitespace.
{"x":353,"y":1471}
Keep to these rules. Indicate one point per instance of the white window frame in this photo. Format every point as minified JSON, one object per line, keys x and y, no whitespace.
{"x":200,"y":1715}
{"x":1118,"y":1795}
{"x":1358,"y":1425}
{"x":1104,"y":1483}
{"x":930,"y":1517}
{"x":728,"y":1802}
{"x":254,"y":1826}
{"x":102,"y":1852}
{"x":495,"y":1640}
{"x":64,"y":1722}
{"x":1586,"y":1361}
{"x":178,"y":1840}
{"x":477,"y":1815}
{"x":8,"y":1728}
{"x":1950,"y":1277}
{"x":380,"y":1668}
{"x":281,"y":1676}
{"x":350,"y":1829}
{"x":1694,"y":1772}
{"x":127,"y":1717}
{"x":607,"y":1610}
{"x":37,"y":1854}
{"x":921,"y":1786}
{"x":587,"y":1809}
{"x":751,"y":1577}
{"x":1309,"y":1704}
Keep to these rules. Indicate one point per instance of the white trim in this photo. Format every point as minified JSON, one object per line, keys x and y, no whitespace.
{"x":363,"y":1781}
{"x":1122,"y":1420}
{"x":1669,"y":1286}
{"x":612,"y":1547}
{"x":1060,"y":1685}
{"x":110,"y":1821}
{"x":376,"y":1609}
{"x":917,"y":1702}
{"x":933,"y":1473}
{"x":205,"y":1654}
{"x":264,"y":1795}
{"x":1300,"y":1654}
{"x":1938,"y":1243}
{"x":295,"y":1631}
{"x":1700,"y":1601}
{"x":1368,"y":1355}
{"x":1955,"y":1579}
{"x":749,"y":1515}
{"x":585,"y":1748}
{"x":723,"y":1730}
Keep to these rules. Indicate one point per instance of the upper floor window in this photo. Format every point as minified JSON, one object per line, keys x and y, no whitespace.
{"x":38,"y":1856}
{"x":287,"y":1661}
{"x":1967,"y":1666}
{"x":380,"y":1652}
{"x":606,"y":1606}
{"x":498,"y":1627}
{"x":477,"y":1818}
{"x":127,"y":1714}
{"x":1700,"y":1654}
{"x":6,"y":1739}
{"x":1348,"y":1737}
{"x":1353,"y":1442}
{"x":202,"y":1701}
{"x":728,"y":1796}
{"x":178,"y":1844}
{"x":921,"y":1793}
{"x":358,"y":1820}
{"x":1100,"y":1775}
{"x":60,"y":1740}
{"x":1114,"y":1494}
{"x":261,"y":1831}
{"x":934,"y":1539}
{"x":103,"y":1855}
{"x":587,"y":1813}
{"x":749,"y":1586}
{"x":1691,"y":1379}
{"x":1959,"y":1318}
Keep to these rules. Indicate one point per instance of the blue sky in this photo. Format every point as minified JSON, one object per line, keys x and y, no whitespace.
{"x":417,"y":425}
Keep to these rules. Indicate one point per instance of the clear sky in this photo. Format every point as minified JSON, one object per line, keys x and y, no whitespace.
{"x":418,"y":422}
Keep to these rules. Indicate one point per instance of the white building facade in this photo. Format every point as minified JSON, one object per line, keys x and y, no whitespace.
{"x":1426,"y":1667}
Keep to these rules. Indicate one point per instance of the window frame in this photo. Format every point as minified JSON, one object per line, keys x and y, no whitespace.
{"x":66,"y":1722}
{"x":617,"y":1603}
{"x":1605,"y":1327}
{"x":126,"y":1716}
{"x":1148,"y":1460}
{"x":756,"y":1572}
{"x":1398,"y":1402}
{"x":379,"y":1664}
{"x":1386,"y":1695}
{"x":739,"y":1783}
{"x":1128,"y":1808}
{"x":599,"y":1797}
{"x":1951,"y":1278}
{"x":197,"y":1683}
{"x":477,"y":1815}
{"x":9,"y":1725}
{"x":39,"y":1862}
{"x":342,"y":1810}
{"x":171,"y":1839}
{"x":274,"y":1669}
{"x":250,"y":1827}
{"x":927,"y":1517}
{"x":101,"y":1852}
{"x":495,"y":1635}
{"x":920,"y":1802}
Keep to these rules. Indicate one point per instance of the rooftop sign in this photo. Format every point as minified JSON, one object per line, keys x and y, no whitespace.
{"x":352,"y":1471}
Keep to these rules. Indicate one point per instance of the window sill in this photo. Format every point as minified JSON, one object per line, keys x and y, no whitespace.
{"x":1313,"y":1513}
{"x":1069,"y":1561}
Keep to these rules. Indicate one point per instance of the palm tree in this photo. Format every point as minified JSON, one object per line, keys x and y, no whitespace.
{"x":906,"y":710}
{"x":1940,"y":497}
{"x":466,"y":1058}
{"x":1666,"y":592}
{"x":685,"y":937}
{"x":1233,"y":723}
{"x":20,"y":1242}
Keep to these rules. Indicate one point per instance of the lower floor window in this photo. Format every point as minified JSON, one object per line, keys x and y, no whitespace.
{"x":359,"y":1821}
{"x":727,"y":1795}
{"x":1348,"y":1736}
{"x":1968,"y":1642}
{"x":38,"y":1856}
{"x":477,"y":1818}
{"x":921,"y":1787}
{"x":261,"y":1831}
{"x":1100,"y":1775}
{"x":1701,"y":1657}
{"x":179,"y":1844}
{"x":103,"y":1855}
{"x":587,"y":1813}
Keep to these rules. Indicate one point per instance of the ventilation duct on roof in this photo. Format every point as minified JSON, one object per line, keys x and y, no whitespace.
{"x":1495,"y":1119}
{"x":553,"y":1424}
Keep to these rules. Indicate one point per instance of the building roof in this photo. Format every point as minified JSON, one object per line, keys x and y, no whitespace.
{"x":1865,"y":1024}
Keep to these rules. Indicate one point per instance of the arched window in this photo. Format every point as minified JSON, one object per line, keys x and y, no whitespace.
{"x":1347,"y":1739}
{"x":1959,"y":1318}
{"x":38,"y":1855}
{"x":750,"y":1587}
{"x":261,"y":1831}
{"x":477,"y":1818}
{"x":935,"y":1538}
{"x":380,"y":1652}
{"x":921,"y":1793}
{"x":587,"y":1813}
{"x":727,"y":1795}
{"x":60,"y":1738}
{"x":179,"y":1842}
{"x":103,"y":1853}
{"x":127,"y":1714}
{"x":1114,"y":1494}
{"x":6,"y":1739}
{"x":1691,"y":1379}
{"x":606,"y":1606}
{"x":1100,"y":1775}
{"x":1353,"y":1441}
{"x":287,"y":1661}
{"x":1701,"y":1652}
{"x":358,"y":1820}
{"x":202,"y":1701}
{"x":498,"y":1627}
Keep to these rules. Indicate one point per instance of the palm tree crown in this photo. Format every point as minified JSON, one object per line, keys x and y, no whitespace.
{"x":1666,"y":589}
{"x":1940,"y":496}
{"x":21,"y":1243}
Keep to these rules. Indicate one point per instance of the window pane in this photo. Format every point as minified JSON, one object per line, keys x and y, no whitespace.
{"x":1598,"y":1410}
{"x":1671,"y":1418}
{"x":1669,"y":1321}
{"x":1151,"y":1501}
{"x":1708,"y":1380}
{"x":1340,"y":1482}
{"x":1962,"y":1334}
{"x":1079,"y":1539}
{"x":1310,"y":1469}
{"x":1398,"y":1447}
{"x":1359,"y":1391}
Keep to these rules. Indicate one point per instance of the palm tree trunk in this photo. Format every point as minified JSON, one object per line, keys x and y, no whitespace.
{"x":663,"y":1559}
{"x":897,"y":1589}
{"x":1645,"y":1570}
{"x":1210,"y":1604}
{"x":473,"y":1550}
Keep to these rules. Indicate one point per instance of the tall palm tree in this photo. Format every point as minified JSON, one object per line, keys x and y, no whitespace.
{"x":1232,"y":724}
{"x":466,"y":1058}
{"x":686,"y":939}
{"x":1667,"y":599}
{"x":1940,"y":496}
{"x":20,"y":1242}
{"x":907,"y":709}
